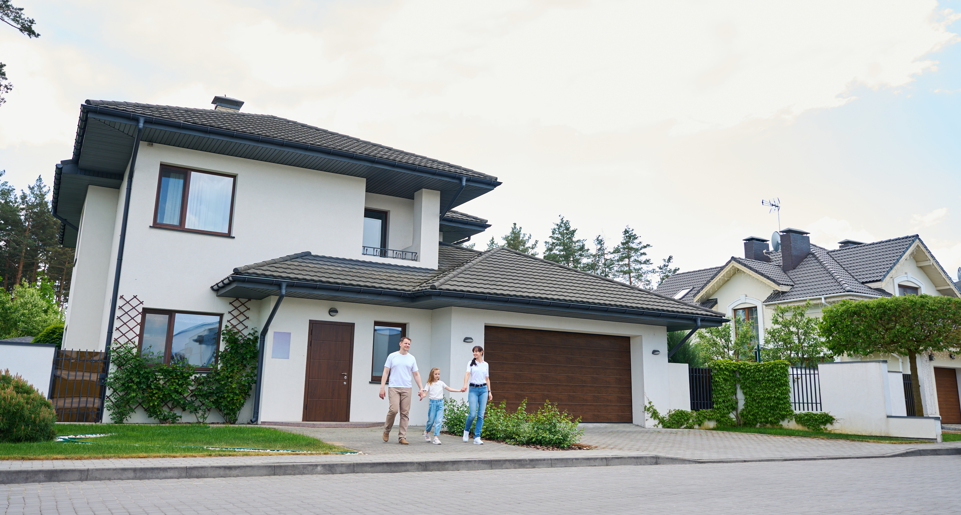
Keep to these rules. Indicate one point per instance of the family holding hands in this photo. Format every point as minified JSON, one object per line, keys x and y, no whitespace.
{"x":401,"y":368}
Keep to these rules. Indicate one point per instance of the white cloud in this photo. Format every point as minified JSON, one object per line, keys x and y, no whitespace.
{"x":827,"y":232}
{"x":929,"y":219}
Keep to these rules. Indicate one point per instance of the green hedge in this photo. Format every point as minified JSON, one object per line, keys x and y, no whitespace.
{"x":53,"y":334}
{"x":25,"y":415}
{"x":547,"y":427}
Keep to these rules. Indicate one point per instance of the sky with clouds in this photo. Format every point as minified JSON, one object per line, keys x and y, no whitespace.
{"x":675,"y":118}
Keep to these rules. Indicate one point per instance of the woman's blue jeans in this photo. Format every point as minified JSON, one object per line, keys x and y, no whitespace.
{"x":476,"y":405}
{"x":435,"y":416}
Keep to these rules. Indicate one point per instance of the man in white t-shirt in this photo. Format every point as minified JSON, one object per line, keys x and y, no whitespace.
{"x":400,"y":367}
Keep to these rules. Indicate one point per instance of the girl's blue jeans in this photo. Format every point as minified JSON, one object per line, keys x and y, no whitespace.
{"x":476,"y":405}
{"x":435,"y":416}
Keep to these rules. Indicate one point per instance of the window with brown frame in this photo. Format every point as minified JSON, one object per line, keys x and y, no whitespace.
{"x":746,"y":318}
{"x":180,"y":337}
{"x":905,"y":289}
{"x":387,"y":337}
{"x":196,"y":201}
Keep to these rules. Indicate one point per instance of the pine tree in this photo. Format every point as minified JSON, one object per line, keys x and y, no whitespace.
{"x":665,"y":270}
{"x":563,"y":246}
{"x":520,"y":241}
{"x":601,"y":261}
{"x":631,"y":258}
{"x":491,"y":245}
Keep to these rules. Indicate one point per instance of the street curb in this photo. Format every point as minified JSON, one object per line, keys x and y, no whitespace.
{"x":390,"y":467}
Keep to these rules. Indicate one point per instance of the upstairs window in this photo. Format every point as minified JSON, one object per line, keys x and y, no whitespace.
{"x":907,"y":289}
{"x":194,"y":201}
{"x":375,"y":231}
{"x":180,"y":337}
{"x":746,"y":320}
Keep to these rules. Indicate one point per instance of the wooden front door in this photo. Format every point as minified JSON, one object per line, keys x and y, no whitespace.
{"x":587,"y":375}
{"x":946,"y":383}
{"x":330,"y":351}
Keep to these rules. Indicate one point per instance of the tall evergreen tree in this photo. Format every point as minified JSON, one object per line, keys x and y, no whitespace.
{"x":520,"y":241}
{"x":13,"y":16}
{"x":631,"y":258}
{"x":665,"y":270}
{"x":492,"y":244}
{"x":601,"y":261}
{"x":563,"y":246}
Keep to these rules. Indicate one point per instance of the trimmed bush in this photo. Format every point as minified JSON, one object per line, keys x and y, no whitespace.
{"x":53,"y":334}
{"x":25,"y":415}
{"x":547,"y":427}
{"x":814,"y":421}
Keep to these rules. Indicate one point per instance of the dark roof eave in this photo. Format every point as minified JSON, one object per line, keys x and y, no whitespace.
{"x":707,"y":320}
{"x":283,"y":144}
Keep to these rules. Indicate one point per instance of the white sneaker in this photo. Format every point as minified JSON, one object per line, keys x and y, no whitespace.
{"x":477,"y":441}
{"x":426,"y":436}
{"x":466,"y":436}
{"x":436,"y":441}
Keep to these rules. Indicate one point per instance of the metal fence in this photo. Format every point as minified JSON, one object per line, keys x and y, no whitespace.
{"x":701,"y":392}
{"x":805,"y":389}
{"x":908,"y":395}
{"x":75,"y":385}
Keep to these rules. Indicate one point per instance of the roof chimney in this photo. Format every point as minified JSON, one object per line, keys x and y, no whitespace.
{"x":755,"y":248}
{"x":795,"y":246}
{"x":227,"y":104}
{"x":849,"y":243}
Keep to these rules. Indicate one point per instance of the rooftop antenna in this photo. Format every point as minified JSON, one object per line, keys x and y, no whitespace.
{"x":775,"y":205}
{"x":959,"y":274}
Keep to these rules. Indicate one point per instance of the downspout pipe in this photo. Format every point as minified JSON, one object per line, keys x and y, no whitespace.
{"x":463,"y":184}
{"x":119,"y":266}
{"x":261,"y":355}
{"x":697,"y":325}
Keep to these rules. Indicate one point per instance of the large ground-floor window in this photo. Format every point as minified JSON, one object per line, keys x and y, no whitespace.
{"x":180,"y":336}
{"x":387,"y":337}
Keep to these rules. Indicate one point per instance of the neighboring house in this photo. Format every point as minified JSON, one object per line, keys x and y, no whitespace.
{"x":340,"y":246}
{"x":749,"y":288}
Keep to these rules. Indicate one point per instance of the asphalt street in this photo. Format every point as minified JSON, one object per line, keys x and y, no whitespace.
{"x":893,"y":485}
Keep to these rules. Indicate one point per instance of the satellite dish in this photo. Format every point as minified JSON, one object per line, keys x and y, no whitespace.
{"x":776,"y":243}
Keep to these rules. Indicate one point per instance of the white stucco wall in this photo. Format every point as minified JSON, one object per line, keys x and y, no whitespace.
{"x":858,"y":394}
{"x":85,"y":309}
{"x":896,"y":388}
{"x":33,"y":362}
{"x":680,"y":385}
{"x":400,"y":218}
{"x":742,"y":291}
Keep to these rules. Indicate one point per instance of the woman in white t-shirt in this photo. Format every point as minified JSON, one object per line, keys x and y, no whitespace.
{"x":478,"y":378}
{"x":435,"y":412}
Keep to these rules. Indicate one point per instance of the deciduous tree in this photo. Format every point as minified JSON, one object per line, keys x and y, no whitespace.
{"x":793,"y":336}
{"x":906,"y":326}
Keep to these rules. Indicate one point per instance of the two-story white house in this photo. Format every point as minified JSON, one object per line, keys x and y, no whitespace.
{"x":749,"y":288}
{"x":187,"y":221}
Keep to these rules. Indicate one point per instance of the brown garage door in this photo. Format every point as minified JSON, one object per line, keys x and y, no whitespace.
{"x":587,"y":375}
{"x":946,"y":382}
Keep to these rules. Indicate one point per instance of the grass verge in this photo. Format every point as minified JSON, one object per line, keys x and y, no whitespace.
{"x":951,"y":437}
{"x":166,"y":441}
{"x":811,"y":434}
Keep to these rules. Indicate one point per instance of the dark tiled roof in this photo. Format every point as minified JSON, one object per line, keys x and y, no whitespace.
{"x":499,"y":272}
{"x":771,"y":271}
{"x":269,"y":126}
{"x":694,"y":280}
{"x":871,"y":262}
{"x":817,"y":275}
{"x":457,"y":216}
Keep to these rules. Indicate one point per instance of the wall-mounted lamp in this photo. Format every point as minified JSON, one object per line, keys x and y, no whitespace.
{"x":951,"y":356}
{"x":656,"y":352}
{"x":332,"y":312}
{"x":468,"y":339}
{"x":930,"y":357}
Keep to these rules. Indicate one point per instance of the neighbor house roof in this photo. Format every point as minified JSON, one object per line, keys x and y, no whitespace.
{"x":822,"y":273}
{"x":496,"y":279}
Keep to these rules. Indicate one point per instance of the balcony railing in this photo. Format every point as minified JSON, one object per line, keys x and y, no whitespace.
{"x":406,"y":255}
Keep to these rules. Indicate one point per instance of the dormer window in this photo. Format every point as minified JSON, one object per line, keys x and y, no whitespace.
{"x":907,"y":289}
{"x":375,"y":231}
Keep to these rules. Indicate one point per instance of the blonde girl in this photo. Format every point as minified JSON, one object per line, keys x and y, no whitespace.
{"x":435,"y":412}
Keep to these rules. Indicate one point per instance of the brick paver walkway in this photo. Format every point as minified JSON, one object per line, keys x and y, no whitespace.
{"x":908,"y":485}
{"x":610,"y":439}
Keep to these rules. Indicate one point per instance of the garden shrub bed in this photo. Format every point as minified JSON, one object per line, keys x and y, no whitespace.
{"x":547,"y":428}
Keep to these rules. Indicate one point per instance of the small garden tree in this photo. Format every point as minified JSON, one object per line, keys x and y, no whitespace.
{"x":907,"y":326}
{"x":721,"y":343}
{"x":793,"y":336}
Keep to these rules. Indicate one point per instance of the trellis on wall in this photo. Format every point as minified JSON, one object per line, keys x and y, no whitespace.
{"x":129,"y":312}
{"x":237,"y":317}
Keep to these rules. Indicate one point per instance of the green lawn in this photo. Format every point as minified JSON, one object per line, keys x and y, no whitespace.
{"x":157,"y":441}
{"x":829,"y":436}
{"x":951,"y":437}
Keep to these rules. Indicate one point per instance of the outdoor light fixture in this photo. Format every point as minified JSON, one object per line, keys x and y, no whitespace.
{"x":332,"y":312}
{"x":951,"y":356}
{"x":930,"y":357}
{"x":656,"y":352}
{"x":468,"y":339}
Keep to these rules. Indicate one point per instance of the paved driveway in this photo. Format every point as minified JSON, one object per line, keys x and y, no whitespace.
{"x":907,"y":485}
